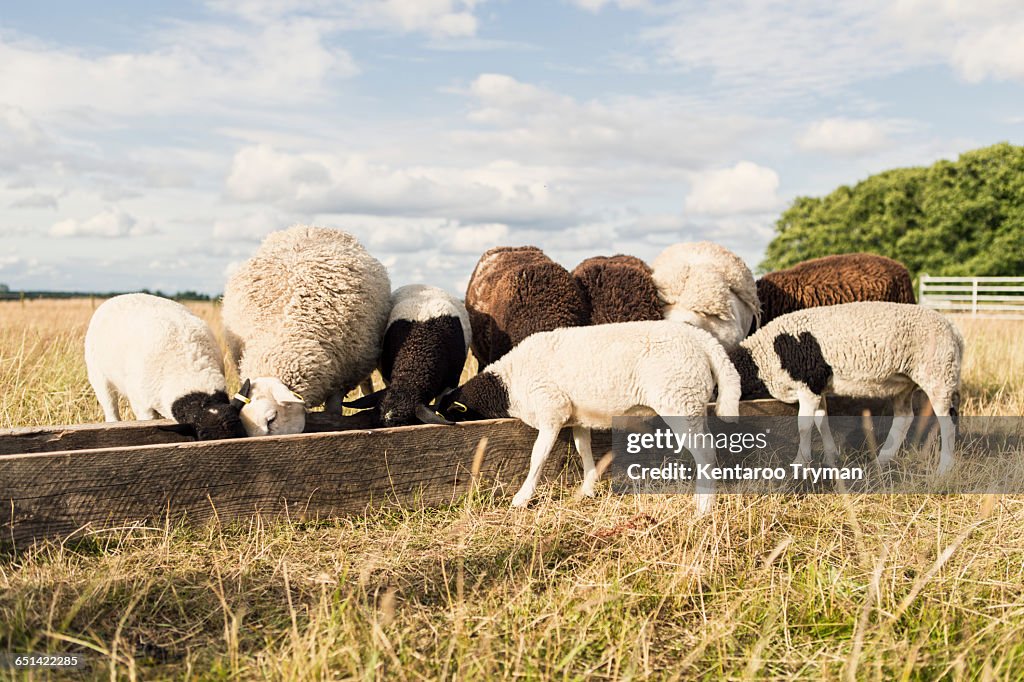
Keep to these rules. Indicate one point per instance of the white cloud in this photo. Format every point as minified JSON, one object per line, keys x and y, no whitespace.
{"x":192,"y":68}
{"x":997,"y":53}
{"x":598,"y":5}
{"x":758,"y":50}
{"x":525,"y":121}
{"x":843,"y":136}
{"x":476,"y":239}
{"x":261,"y":173}
{"x":744,"y":188}
{"x":35,"y":200}
{"x":251,"y":227}
{"x":443,"y":18}
{"x":109,"y":223}
{"x":352,"y":183}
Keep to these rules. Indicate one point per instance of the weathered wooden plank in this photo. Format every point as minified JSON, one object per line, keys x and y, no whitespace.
{"x":84,"y":436}
{"x":130,"y":433}
{"x":304,"y":476}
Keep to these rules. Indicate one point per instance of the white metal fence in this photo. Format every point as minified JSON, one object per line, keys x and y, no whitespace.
{"x":982,"y":296}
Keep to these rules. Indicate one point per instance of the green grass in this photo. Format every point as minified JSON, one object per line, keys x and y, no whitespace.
{"x":633,"y":587}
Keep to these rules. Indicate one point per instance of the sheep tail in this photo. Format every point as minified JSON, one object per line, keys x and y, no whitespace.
{"x":726,"y":377}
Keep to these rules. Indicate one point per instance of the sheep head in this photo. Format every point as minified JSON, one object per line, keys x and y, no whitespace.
{"x":272,"y":408}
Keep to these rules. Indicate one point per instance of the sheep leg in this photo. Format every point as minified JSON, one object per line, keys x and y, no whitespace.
{"x":903,"y":417}
{"x":143,"y":412}
{"x":703,"y":456}
{"x":948,"y":432}
{"x":805,"y":425}
{"x":581,"y":436}
{"x":821,"y":421}
{"x":108,"y":398}
{"x":546,"y":438}
{"x":333,"y":403}
{"x":946,"y":452}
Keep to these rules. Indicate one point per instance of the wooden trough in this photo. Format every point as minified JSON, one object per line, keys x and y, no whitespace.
{"x":59,"y":481}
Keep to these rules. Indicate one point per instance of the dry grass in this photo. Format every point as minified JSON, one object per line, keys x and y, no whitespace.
{"x":775,"y":587}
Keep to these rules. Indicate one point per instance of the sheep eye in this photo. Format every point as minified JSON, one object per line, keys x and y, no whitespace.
{"x":271,"y":419}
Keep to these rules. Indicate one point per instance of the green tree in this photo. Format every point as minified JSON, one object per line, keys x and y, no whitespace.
{"x":954,"y":218}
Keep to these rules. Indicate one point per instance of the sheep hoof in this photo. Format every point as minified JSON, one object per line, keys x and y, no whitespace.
{"x":520,"y":500}
{"x":705,"y":502}
{"x":943,"y":469}
{"x":588,"y":490}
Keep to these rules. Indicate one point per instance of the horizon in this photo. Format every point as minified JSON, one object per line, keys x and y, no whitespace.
{"x":153,"y":147}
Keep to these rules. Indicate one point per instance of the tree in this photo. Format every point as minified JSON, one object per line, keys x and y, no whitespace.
{"x":954,"y":218}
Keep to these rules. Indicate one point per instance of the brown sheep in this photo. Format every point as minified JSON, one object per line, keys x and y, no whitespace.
{"x":620,"y":289}
{"x":843,"y":278}
{"x":516,"y":291}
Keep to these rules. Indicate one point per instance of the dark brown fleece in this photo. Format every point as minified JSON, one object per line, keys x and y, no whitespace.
{"x":845,"y":278}
{"x":518,"y":291}
{"x":619,"y":289}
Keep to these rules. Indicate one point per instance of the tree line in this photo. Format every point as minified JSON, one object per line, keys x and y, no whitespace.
{"x":953,"y":218}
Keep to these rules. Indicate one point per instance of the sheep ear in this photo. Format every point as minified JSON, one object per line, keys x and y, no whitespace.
{"x":283,"y":395}
{"x":428,"y":416}
{"x":367,"y":401}
{"x":241,"y":399}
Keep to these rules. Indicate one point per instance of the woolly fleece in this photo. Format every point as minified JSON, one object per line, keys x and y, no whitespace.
{"x":708,"y":286}
{"x":309,"y":308}
{"x":152,"y":351}
{"x":619,"y":289}
{"x":865,"y":350}
{"x":518,"y":291}
{"x":843,"y":278}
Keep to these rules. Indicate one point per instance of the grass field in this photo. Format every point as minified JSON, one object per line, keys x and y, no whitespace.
{"x":773,"y":587}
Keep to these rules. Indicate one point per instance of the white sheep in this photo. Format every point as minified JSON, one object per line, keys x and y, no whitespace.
{"x":164,"y":360}
{"x":304,"y":319}
{"x":424,"y":351}
{"x":708,"y":286}
{"x":586,"y":376}
{"x":861,"y":350}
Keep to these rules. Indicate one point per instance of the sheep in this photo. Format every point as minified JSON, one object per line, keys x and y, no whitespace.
{"x":585,"y":376}
{"x":304,"y":319}
{"x":619,"y":289}
{"x":707,"y":286}
{"x":515,"y":292}
{"x":164,"y":360}
{"x":843,"y":278}
{"x":862,"y":350}
{"x":425,"y":345}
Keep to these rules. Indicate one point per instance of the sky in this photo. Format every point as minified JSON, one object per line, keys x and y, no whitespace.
{"x":153,"y":145}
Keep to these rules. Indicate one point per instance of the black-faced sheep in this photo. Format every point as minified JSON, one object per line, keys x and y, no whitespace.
{"x":164,"y":360}
{"x":843,"y":278}
{"x":619,"y":289}
{"x":861,"y":350}
{"x":518,"y":291}
{"x":586,"y":376}
{"x":304,"y":319}
{"x":708,"y":286}
{"x":424,"y":351}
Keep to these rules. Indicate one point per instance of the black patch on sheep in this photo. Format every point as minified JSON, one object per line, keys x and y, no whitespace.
{"x":418,"y":361}
{"x":751,"y":384}
{"x":485,"y":396}
{"x":209,"y":414}
{"x":618,"y":288}
{"x":803,"y":360}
